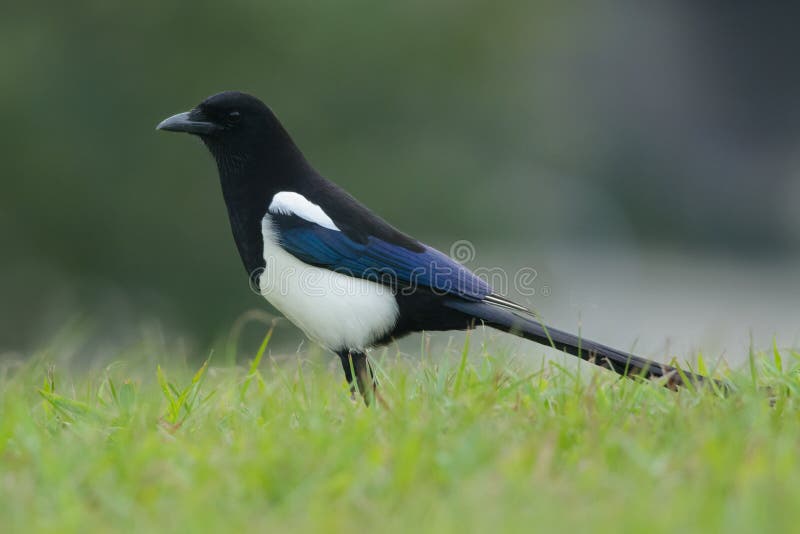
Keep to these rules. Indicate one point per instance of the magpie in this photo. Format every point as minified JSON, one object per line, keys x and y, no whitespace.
{"x":347,"y":278}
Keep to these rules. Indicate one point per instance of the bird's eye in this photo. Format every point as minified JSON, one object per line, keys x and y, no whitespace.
{"x":234,"y":117}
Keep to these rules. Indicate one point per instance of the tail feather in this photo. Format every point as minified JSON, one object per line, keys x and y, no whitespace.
{"x":615,"y":360}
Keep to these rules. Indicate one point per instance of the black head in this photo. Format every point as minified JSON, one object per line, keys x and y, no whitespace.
{"x":226,"y":118}
{"x":242,"y":133}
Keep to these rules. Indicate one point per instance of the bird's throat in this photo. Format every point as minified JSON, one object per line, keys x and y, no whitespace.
{"x":249,"y":180}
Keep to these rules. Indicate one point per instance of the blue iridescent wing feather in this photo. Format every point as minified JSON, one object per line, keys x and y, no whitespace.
{"x":377,"y":260}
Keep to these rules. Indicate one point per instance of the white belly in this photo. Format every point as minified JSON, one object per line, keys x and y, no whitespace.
{"x":335,"y":310}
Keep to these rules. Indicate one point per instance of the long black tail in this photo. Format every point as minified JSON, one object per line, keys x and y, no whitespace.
{"x":615,"y":360}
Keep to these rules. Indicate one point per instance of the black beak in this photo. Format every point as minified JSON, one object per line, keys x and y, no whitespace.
{"x":193,"y":122}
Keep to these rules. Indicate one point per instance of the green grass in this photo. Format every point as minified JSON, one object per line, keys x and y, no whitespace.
{"x":471,"y":445}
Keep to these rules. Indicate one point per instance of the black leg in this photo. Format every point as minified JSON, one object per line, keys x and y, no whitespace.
{"x":356,"y":364}
{"x":348,"y":368}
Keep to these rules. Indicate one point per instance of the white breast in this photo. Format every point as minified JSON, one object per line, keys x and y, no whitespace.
{"x":333,"y":309}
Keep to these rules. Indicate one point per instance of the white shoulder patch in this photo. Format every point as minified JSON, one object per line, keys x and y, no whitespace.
{"x":291,"y":203}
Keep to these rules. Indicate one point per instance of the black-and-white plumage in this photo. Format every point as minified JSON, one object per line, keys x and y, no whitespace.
{"x":342,"y":274}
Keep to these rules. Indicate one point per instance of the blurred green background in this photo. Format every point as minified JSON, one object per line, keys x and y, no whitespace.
{"x":644,"y":158}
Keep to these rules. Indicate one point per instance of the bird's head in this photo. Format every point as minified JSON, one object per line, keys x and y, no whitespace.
{"x":241,"y":132}
{"x":223,"y":118}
